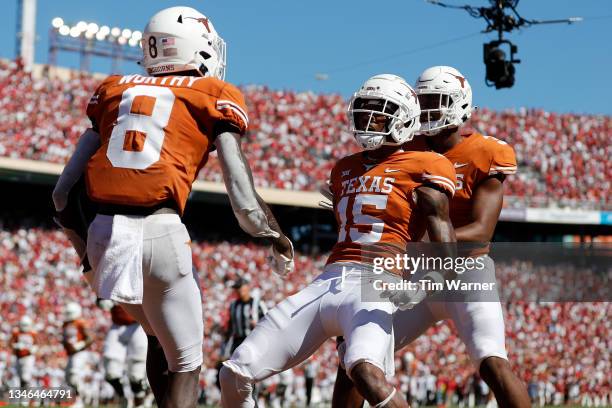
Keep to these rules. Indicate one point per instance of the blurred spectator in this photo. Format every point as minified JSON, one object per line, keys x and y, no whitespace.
{"x":561,"y":350}
{"x":294,"y":139}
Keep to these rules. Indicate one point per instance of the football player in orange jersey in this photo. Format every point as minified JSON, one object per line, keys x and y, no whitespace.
{"x":150,"y":137}
{"x":23,"y":343}
{"x":383,"y":197}
{"x":76,"y":340}
{"x":481,"y":163}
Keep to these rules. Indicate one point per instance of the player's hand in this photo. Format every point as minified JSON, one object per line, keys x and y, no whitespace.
{"x":407,"y":299}
{"x":404,"y":299}
{"x":328,"y":202}
{"x":282,"y":255}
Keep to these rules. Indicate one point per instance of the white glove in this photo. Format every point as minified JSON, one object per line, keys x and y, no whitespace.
{"x":281,"y":265}
{"x":407,"y":299}
{"x":326,"y":204}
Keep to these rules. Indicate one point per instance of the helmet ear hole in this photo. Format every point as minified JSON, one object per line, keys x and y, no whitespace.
{"x":203,"y":70}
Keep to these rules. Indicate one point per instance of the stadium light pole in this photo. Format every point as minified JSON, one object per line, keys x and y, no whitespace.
{"x":25,"y":36}
{"x":91,"y":39}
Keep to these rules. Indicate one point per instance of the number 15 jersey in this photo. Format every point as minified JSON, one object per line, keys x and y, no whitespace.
{"x":156,"y":134}
{"x":375,"y":206}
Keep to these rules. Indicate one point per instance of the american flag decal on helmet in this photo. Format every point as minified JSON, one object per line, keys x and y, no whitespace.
{"x":167,"y":41}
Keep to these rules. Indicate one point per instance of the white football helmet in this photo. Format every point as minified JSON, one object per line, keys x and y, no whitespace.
{"x":25,"y":323}
{"x":384,"y":95}
{"x":72,"y":311}
{"x":182,"y":39}
{"x":445,"y":96}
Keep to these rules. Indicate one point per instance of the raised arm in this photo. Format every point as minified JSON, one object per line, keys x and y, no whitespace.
{"x":252,"y":213}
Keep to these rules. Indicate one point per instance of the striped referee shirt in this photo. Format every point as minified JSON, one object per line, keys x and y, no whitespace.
{"x":244,"y":316}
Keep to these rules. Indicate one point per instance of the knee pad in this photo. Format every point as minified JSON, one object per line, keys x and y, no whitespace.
{"x":117,"y":386}
{"x":236,"y":389}
{"x":139,"y":388}
{"x":137,"y":370}
{"x":113,"y":369}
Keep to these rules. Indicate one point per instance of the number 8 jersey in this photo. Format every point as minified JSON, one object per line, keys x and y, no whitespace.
{"x":156,"y":134}
{"x":375,"y":205}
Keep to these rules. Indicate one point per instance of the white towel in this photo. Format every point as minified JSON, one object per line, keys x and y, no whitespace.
{"x":119,"y":270}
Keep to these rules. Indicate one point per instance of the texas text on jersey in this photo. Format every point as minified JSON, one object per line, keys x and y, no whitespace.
{"x":374,"y":204}
{"x":156,"y":134}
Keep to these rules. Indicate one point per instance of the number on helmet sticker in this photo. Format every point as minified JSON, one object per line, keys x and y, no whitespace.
{"x":134,"y":120}
{"x":153,"y":46}
{"x":377,"y":225}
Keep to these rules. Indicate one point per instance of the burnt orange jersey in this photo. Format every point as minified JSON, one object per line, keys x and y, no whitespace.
{"x":475,"y":158}
{"x":74,"y":332}
{"x":120,"y":317}
{"x":156,"y":134}
{"x":23,"y":342}
{"x":374,"y":205}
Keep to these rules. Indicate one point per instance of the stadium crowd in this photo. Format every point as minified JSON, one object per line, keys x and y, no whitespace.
{"x":561,"y":350}
{"x":295,"y":138}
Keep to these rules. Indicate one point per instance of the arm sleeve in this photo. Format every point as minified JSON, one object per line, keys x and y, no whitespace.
{"x":439,"y":172}
{"x":239,"y":184}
